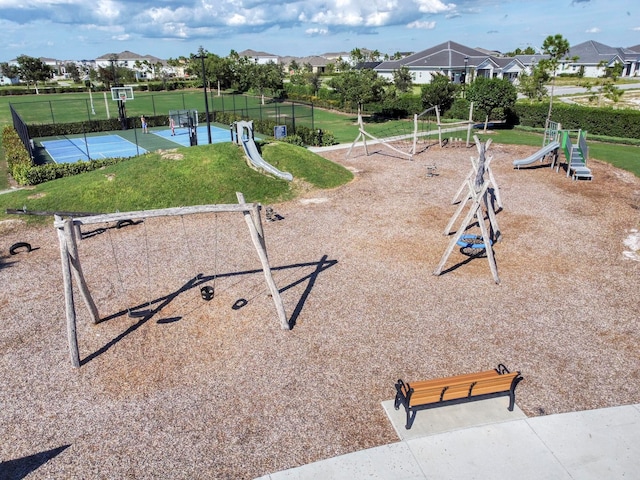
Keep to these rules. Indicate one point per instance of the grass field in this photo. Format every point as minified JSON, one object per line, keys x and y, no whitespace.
{"x":206,"y":174}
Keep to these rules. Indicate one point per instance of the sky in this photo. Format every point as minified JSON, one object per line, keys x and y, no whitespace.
{"x":87,"y":29}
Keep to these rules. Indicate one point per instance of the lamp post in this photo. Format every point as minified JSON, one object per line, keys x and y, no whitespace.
{"x":206,"y":100}
{"x":464,"y":83}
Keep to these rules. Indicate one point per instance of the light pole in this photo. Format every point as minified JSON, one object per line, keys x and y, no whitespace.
{"x":464,"y":82}
{"x":206,"y":100}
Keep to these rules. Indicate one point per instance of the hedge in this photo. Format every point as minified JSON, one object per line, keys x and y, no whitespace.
{"x":51,"y":171}
{"x":606,"y":121}
{"x":299,"y":134}
{"x":18,"y":159}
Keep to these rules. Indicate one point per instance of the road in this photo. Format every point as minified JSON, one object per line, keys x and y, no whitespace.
{"x":560,"y":91}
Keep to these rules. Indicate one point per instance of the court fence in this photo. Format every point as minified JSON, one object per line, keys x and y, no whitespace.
{"x":92,"y":114}
{"x":23,"y":130}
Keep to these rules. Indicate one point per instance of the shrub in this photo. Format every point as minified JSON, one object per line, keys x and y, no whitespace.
{"x":18,"y":159}
{"x":623,"y":123}
{"x":51,"y":171}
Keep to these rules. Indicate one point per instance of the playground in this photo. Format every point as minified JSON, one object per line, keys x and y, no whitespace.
{"x":217,"y":389}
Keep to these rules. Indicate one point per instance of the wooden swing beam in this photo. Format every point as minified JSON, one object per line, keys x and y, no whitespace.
{"x":71,"y":266}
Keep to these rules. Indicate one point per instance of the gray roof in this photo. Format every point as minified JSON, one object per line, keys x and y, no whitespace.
{"x":254,"y":53}
{"x":314,"y":61}
{"x":445,"y":55}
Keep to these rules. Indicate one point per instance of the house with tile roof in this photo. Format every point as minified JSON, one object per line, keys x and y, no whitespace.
{"x":457,"y":61}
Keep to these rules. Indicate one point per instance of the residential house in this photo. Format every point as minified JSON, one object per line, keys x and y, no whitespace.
{"x":459,"y":62}
{"x":449,"y":58}
{"x":261,"y":58}
{"x":146,"y":67}
{"x":318,"y":64}
{"x":592,"y":58}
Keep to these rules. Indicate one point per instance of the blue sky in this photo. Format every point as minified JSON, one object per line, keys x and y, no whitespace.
{"x":84,"y":29}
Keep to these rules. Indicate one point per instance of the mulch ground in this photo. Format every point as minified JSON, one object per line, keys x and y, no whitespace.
{"x":203,"y":390}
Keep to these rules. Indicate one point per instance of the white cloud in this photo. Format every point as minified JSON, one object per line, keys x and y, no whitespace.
{"x":122,"y":38}
{"x":107,"y":9}
{"x":316,"y":32}
{"x":434,"y":6}
{"x":236,"y":20}
{"x":593,"y":30}
{"x":422,"y":25}
{"x":377,"y":19}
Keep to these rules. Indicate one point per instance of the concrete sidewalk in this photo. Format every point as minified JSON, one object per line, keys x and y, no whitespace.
{"x":588,"y":445}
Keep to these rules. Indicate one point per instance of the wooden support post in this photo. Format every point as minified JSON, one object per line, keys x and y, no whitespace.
{"x":258,"y":242}
{"x":68,"y":296}
{"x":471,"y":124}
{"x":72,"y":249}
{"x":415,"y":133}
{"x":439,"y":126}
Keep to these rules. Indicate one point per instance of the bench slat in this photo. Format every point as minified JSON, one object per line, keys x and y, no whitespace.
{"x":444,"y":382}
{"x":494,"y":385}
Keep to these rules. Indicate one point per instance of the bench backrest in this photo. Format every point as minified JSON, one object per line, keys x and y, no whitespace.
{"x":461,"y":386}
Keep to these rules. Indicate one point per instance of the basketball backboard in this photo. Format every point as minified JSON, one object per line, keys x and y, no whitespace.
{"x":122,"y":93}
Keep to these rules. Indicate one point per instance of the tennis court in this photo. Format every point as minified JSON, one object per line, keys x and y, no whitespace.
{"x":71,"y":150}
{"x":181,"y":137}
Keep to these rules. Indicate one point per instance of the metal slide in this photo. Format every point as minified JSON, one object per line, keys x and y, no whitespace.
{"x":547,"y":149}
{"x":251,"y":151}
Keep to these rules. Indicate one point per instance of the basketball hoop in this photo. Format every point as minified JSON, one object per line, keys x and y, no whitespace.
{"x":123,"y":97}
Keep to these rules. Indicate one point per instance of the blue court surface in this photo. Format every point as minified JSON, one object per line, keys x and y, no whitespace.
{"x":71,"y":150}
{"x":218,"y":135}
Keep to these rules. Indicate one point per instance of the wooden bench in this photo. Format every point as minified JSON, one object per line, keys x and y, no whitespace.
{"x":453,"y":390}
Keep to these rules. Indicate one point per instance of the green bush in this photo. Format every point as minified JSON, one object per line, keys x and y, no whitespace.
{"x":265,"y":127}
{"x":610,"y":122}
{"x":18,"y":159}
{"x":51,"y":171}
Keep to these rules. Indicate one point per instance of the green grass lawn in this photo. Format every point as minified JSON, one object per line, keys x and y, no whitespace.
{"x":207,"y":174}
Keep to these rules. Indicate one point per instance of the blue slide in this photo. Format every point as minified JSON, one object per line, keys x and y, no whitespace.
{"x":251,"y":151}
{"x":546,"y":150}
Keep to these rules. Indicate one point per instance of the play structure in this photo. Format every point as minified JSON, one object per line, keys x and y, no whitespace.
{"x":243,"y":135}
{"x":411,"y":138}
{"x":481,"y":193}
{"x":69,"y":232}
{"x":188,"y":119}
{"x":576,"y":155}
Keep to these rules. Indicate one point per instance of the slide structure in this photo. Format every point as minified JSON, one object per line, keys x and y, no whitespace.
{"x":251,"y":151}
{"x":546,"y":150}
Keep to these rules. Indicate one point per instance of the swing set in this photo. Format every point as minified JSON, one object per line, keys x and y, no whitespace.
{"x":481,"y":194}
{"x":68,"y":230}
